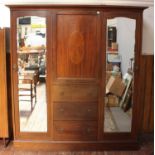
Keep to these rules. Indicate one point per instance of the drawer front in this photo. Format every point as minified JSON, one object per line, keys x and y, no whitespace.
{"x":75,"y":110}
{"x":75,"y":130}
{"x":74,"y":93}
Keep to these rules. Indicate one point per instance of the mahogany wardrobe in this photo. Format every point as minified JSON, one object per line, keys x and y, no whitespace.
{"x":75,"y":76}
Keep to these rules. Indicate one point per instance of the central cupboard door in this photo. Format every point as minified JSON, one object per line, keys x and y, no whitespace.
{"x":75,"y":74}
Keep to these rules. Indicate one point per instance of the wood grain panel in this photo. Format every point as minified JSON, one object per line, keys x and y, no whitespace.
{"x":75,"y":74}
{"x":75,"y":111}
{"x":75,"y":93}
{"x":77,"y":50}
{"x":75,"y":130}
{"x":147,"y":92}
{"x":3,"y":86}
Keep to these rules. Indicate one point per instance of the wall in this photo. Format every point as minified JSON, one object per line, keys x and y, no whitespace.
{"x":148,"y":29}
{"x":4,"y":16}
{"x":126,"y":41}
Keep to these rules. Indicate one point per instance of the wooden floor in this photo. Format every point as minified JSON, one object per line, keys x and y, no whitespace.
{"x":147,"y":148}
{"x":36,"y":120}
{"x":116,"y":120}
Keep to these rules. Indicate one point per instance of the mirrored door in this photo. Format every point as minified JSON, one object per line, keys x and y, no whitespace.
{"x":119,"y":84}
{"x":31,"y":61}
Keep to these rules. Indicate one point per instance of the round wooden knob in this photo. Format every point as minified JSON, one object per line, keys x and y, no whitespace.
{"x":61,"y":109}
{"x":89,"y":110}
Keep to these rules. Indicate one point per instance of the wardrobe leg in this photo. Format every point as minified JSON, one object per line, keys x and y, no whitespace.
{"x":6,"y":142}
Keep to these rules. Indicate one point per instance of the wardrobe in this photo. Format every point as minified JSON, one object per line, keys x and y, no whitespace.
{"x":59,"y":71}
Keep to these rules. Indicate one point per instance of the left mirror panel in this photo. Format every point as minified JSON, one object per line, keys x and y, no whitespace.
{"x":31,"y":57}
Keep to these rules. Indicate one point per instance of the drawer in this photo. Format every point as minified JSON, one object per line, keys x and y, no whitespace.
{"x":74,"y":93}
{"x":75,"y":130}
{"x":75,"y":110}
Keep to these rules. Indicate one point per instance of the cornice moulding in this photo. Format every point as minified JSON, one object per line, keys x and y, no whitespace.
{"x":86,"y":2}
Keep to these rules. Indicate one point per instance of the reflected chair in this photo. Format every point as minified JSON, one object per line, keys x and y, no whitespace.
{"x":27,"y":87}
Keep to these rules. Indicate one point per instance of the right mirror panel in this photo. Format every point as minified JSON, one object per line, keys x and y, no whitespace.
{"x":120,"y":52}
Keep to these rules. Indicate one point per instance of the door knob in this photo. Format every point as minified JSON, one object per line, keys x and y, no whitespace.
{"x":136,"y":68}
{"x":98,"y":12}
{"x":15,"y":67}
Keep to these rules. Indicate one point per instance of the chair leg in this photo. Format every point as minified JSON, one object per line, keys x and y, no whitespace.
{"x":31,"y":98}
{"x":35,"y":91}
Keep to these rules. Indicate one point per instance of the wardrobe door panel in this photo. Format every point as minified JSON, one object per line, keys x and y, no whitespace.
{"x":119,"y":102}
{"x":75,"y":71}
{"x":77,"y":46}
{"x":32,"y":73}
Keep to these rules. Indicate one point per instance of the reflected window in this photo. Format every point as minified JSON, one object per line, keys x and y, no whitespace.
{"x":119,"y":74}
{"x":31,"y":51}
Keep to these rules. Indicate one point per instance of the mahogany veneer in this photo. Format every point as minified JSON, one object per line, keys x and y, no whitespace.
{"x":76,"y":75}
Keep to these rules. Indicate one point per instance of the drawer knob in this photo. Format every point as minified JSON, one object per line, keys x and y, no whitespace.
{"x":61,"y":109}
{"x":88,"y":130}
{"x":62,"y":93}
{"x":61,"y":130}
{"x":90,"y":94}
{"x":89,"y":110}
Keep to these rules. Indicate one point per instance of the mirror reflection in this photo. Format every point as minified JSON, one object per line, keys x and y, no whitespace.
{"x":119,"y":74}
{"x":31,"y":52}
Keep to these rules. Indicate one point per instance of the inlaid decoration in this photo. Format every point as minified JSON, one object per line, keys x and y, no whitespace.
{"x":76,"y":47}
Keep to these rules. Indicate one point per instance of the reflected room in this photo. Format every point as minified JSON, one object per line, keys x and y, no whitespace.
{"x":119,"y":74}
{"x":31,"y":55}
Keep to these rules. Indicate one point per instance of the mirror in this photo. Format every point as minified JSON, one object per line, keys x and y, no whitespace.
{"x":31,"y":57}
{"x":120,"y":48}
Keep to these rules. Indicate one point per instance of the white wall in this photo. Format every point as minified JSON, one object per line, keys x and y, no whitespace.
{"x":148,"y":31}
{"x":126,"y":41}
{"x":112,"y":22}
{"x":4,"y":16}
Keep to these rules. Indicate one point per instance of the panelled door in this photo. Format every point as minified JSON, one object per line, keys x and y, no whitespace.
{"x":75,"y":74}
